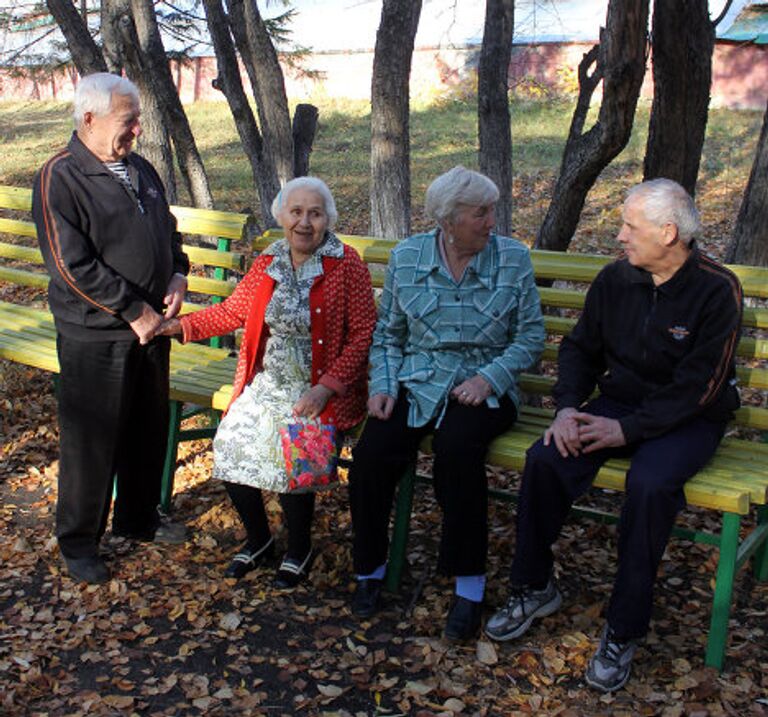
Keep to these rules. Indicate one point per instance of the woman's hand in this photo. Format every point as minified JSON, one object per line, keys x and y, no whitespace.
{"x":473,"y":391}
{"x":169,"y":327}
{"x":380,"y":406}
{"x":312,"y":402}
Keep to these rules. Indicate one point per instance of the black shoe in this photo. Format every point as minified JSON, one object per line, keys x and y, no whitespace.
{"x":292,"y":571}
{"x":365,"y":602}
{"x":89,"y":570}
{"x":247,"y":560}
{"x":463,"y":621}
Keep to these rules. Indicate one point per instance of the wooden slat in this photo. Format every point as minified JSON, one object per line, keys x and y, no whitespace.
{"x":18,"y":227}
{"x":211,"y":287}
{"x":213,"y":257}
{"x":19,"y":252}
{"x":210,"y":222}
{"x":23,"y":278}
{"x":19,"y":198}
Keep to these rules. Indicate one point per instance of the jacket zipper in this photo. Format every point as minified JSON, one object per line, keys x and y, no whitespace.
{"x":647,"y":322}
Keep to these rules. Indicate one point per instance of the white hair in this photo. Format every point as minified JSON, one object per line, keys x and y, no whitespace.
{"x":456,"y":187}
{"x":94,"y":94}
{"x":664,"y":201}
{"x":313,"y":184}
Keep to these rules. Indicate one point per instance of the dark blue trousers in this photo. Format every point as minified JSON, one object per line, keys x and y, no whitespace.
{"x":658,"y":471}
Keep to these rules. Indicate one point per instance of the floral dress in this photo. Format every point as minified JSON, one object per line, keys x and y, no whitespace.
{"x":247,"y":447}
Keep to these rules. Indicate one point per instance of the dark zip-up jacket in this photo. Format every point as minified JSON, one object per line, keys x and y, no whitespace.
{"x":107,"y":249}
{"x":668,"y":350}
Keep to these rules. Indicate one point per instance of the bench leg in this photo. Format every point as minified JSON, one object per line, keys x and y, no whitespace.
{"x":721,"y":604}
{"x":169,"y":466}
{"x":760,"y":561}
{"x":400,"y":529}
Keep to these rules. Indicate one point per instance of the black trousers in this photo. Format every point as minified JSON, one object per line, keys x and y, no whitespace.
{"x":654,"y":495}
{"x":113,"y":422}
{"x":460,"y":445}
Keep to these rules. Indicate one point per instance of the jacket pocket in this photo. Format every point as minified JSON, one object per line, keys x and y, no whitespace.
{"x":496,"y":311}
{"x":422,"y":309}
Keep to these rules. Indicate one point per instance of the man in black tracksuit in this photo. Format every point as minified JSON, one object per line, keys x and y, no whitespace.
{"x":657,"y":337}
{"x":111,"y":247}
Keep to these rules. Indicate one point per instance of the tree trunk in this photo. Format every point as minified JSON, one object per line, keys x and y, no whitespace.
{"x":112,"y":12}
{"x":682,"y":44}
{"x":390,"y":190}
{"x":304,"y":128}
{"x":154,"y":144}
{"x":230,"y":83}
{"x":749,"y":244}
{"x":620,"y":63}
{"x":151,"y":55}
{"x":261,"y":63}
{"x":84,"y":50}
{"x":493,"y":105}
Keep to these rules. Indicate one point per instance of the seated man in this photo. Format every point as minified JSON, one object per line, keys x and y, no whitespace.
{"x":657,"y":337}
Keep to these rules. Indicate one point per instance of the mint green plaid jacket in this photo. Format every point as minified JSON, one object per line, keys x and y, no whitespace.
{"x":433,"y":332}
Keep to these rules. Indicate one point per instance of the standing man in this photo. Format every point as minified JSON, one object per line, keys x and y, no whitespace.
{"x":111,"y":247}
{"x":657,"y":337}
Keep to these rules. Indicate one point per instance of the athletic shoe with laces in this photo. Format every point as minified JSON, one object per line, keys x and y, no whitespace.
{"x":522,"y":608}
{"x":609,"y":668}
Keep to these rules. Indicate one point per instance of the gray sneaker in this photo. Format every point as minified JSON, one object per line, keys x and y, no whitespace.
{"x":609,"y":668}
{"x":522,"y":608}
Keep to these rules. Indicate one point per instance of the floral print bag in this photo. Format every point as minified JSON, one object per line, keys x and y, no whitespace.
{"x":310,"y":449}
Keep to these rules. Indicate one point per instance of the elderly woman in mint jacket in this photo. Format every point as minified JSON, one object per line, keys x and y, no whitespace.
{"x":459,"y":319}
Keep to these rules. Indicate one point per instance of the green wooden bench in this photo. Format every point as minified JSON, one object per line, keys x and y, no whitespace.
{"x":734,"y":484}
{"x":201,"y":375}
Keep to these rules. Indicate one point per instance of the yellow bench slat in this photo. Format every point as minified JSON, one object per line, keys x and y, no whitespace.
{"x":18,"y":227}
{"x":19,"y":198}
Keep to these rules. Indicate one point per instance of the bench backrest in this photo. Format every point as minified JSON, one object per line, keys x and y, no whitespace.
{"x":565,"y":278}
{"x":208,"y":282}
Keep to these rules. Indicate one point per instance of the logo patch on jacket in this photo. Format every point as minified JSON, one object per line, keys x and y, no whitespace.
{"x":679,"y":333}
{"x":152,"y":192}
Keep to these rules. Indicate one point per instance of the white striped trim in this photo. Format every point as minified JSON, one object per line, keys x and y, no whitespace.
{"x":290,"y":566}
{"x":250,"y":558}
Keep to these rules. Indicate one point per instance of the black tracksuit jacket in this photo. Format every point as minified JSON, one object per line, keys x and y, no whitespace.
{"x":107,"y":249}
{"x":668,"y":350}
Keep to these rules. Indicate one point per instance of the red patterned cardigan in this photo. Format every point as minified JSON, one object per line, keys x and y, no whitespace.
{"x":342,"y":318}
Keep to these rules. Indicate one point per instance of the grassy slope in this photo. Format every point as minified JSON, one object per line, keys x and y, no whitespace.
{"x":441,"y":135}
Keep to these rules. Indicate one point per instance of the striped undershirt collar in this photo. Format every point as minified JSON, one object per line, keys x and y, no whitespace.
{"x":120,"y":170}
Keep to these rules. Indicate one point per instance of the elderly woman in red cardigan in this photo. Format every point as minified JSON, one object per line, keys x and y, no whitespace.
{"x":308,"y":312}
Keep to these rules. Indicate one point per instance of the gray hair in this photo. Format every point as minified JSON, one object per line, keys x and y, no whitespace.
{"x":664,"y":200}
{"x":94,"y":94}
{"x":458,"y":186}
{"x":313,"y":184}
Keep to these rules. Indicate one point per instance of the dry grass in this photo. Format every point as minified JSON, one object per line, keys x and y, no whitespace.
{"x":442,"y":135}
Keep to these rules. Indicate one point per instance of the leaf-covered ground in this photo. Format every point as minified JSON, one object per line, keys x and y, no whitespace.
{"x":169,"y":636}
